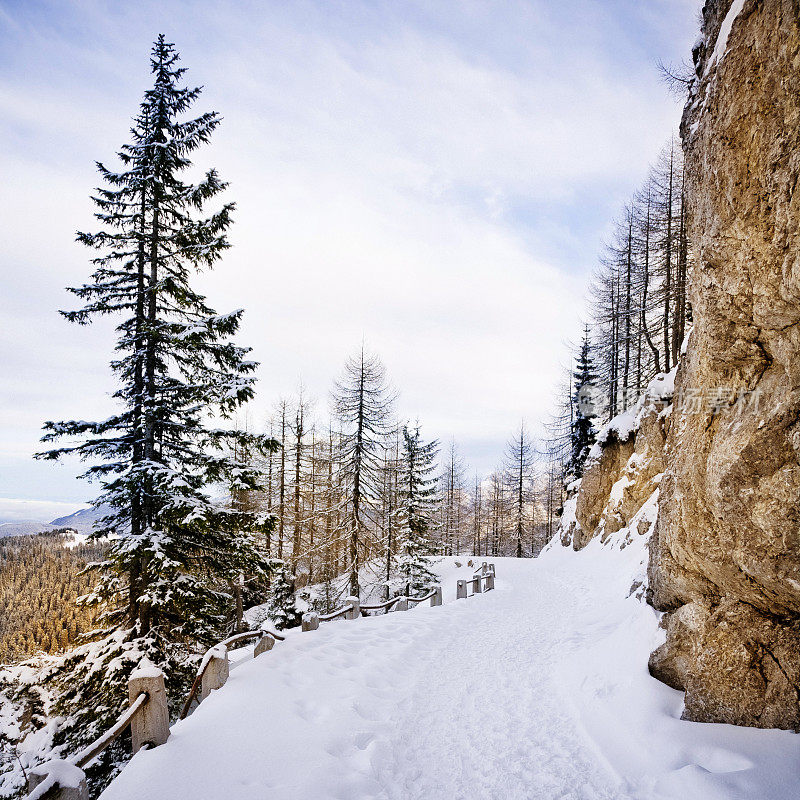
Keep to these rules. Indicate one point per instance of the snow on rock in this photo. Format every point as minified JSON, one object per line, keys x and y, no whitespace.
{"x":657,"y":395}
{"x":623,"y":469}
{"x":538,"y":689}
{"x":57,"y":772}
{"x":721,"y":45}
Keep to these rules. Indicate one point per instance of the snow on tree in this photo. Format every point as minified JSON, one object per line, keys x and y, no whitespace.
{"x":285,"y":607}
{"x":418,"y":502}
{"x":171,"y":446}
{"x":583,"y":430}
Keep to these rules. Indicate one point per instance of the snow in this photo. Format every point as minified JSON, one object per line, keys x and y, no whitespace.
{"x":721,"y":45}
{"x":62,"y":773}
{"x":146,"y":669}
{"x":538,"y":689}
{"x":218,"y":651}
{"x":82,"y":521}
{"x":658,"y":392}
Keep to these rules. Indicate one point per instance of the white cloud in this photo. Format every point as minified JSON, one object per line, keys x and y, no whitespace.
{"x":16,"y":510}
{"x":435,"y":178}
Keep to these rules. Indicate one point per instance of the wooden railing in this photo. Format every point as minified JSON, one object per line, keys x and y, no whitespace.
{"x":148,"y":717}
{"x":481,"y":581}
{"x":148,"y":712}
{"x":214,"y":668}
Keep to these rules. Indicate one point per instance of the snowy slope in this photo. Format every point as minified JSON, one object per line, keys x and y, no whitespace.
{"x":81,"y":521}
{"x":536,"y":690}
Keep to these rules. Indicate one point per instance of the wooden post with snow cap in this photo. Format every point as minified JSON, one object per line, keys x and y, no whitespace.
{"x":484,"y":568}
{"x":461,"y":589}
{"x":216,"y":670}
{"x":476,"y":584}
{"x":401,"y":605}
{"x":310,"y":621}
{"x":489,"y":578}
{"x":263,"y":645}
{"x":150,"y":724}
{"x":491,"y":569}
{"x":436,"y":600}
{"x":57,"y":780}
{"x":355,"y":608}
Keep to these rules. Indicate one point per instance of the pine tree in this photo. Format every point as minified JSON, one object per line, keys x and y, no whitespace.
{"x":584,"y":432}
{"x":417,"y":511}
{"x":173,"y":546}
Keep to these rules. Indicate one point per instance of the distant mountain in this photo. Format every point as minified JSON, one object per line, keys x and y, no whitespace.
{"x":81,"y":521}
{"x":25,"y":527}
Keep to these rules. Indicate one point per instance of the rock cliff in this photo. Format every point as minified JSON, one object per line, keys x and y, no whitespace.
{"x":725,"y":558}
{"x":714,"y":479}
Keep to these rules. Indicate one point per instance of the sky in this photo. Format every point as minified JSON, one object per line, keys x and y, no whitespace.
{"x":433,"y":178}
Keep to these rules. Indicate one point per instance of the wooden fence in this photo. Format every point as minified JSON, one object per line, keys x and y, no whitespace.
{"x":148,"y":712}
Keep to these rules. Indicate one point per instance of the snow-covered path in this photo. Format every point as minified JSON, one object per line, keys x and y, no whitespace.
{"x":536,"y":690}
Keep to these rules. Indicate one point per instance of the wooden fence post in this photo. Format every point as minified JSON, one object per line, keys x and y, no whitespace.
{"x":150,"y":724}
{"x":489,"y":581}
{"x":401,"y":605}
{"x":476,"y":584}
{"x":484,"y":568}
{"x":65,"y":780}
{"x":491,"y":569}
{"x":216,"y":671}
{"x":461,"y":589}
{"x":436,"y":600}
{"x":263,"y":645}
{"x":355,"y":608}
{"x":310,"y":621}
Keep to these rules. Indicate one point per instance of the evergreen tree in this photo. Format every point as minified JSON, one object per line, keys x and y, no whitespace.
{"x":583,"y":431}
{"x":417,"y":512}
{"x":173,"y":547}
{"x":283,"y":603}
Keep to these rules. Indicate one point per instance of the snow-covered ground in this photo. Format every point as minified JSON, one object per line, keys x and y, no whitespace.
{"x":537,"y":690}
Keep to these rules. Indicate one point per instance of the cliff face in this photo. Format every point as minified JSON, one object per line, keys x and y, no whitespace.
{"x":725,"y":557}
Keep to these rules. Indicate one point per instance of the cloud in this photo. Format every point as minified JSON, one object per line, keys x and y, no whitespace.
{"x":16,"y":510}
{"x":434,"y":177}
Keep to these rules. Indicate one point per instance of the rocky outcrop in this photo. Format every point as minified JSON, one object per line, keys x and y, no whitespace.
{"x":623,"y":468}
{"x":725,"y":558}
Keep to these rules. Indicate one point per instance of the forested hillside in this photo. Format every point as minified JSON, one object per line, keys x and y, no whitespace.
{"x":40,"y":581}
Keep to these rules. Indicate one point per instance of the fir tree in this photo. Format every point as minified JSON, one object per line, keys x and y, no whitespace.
{"x":158,"y":457}
{"x":417,"y":512}
{"x":283,"y":603}
{"x":583,"y":431}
